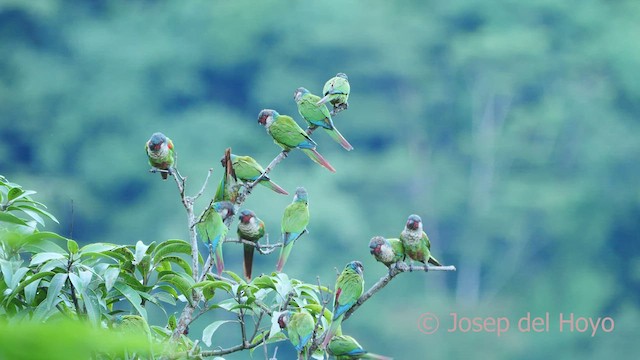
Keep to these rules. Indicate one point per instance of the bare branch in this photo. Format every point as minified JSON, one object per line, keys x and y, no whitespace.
{"x":204,"y":185}
{"x":262,"y":249}
{"x":314,"y":346}
{"x":233,"y":349}
{"x":393,"y":272}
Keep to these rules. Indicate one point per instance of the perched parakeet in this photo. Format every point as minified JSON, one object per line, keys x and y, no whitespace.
{"x":318,"y":115}
{"x":386,"y":251}
{"x":248,"y":170}
{"x":161,"y":155}
{"x":228,"y":187}
{"x":134,"y":327}
{"x":349,"y":288}
{"x":294,"y":224}
{"x":416,"y":242}
{"x":299,"y":327}
{"x":287,"y":134}
{"x":336,"y":91}
{"x":132,"y":324}
{"x":344,"y":347}
{"x":213,"y":231}
{"x":252,"y":229}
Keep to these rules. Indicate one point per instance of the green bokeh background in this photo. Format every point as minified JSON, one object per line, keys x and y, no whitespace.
{"x":512,"y":128}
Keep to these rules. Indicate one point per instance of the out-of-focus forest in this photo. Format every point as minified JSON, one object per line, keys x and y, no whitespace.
{"x":511,"y":127}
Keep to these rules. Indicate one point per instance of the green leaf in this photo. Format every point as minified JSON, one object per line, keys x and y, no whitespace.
{"x":26,"y":282}
{"x":53,"y":291}
{"x":141,"y":251}
{"x":165,"y":297}
{"x":32,"y":210}
{"x":132,"y":296}
{"x":110,"y":277}
{"x":180,"y":262}
{"x":33,"y":214}
{"x":72,"y":246}
{"x":235,"y":277}
{"x":172,"y":323}
{"x":98,"y":248}
{"x":171,"y":247}
{"x":76,"y":282}
{"x":214,"y":284}
{"x":182,"y":283}
{"x":92,"y":306}
{"x":44,"y":257}
{"x":207,"y":333}
{"x":263,"y":282}
{"x":17,"y":277}
{"x":15,"y":192}
{"x":7,"y":271}
{"x":12,"y":219}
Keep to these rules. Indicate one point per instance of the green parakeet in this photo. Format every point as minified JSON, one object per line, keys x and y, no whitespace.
{"x":213,"y":231}
{"x":287,"y":134}
{"x":299,"y":327}
{"x":386,"y":251}
{"x":228,"y":187}
{"x":247,"y":169}
{"x":294,"y":224}
{"x":416,"y":242}
{"x":318,"y":115}
{"x":161,"y":155}
{"x":252,"y":229}
{"x":336,"y":91}
{"x":349,"y":288}
{"x":344,"y":347}
{"x":134,"y":324}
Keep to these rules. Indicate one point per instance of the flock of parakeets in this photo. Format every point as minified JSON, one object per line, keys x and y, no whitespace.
{"x":286,"y":133}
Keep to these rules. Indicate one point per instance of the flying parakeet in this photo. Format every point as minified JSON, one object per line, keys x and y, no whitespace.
{"x":228,"y":187}
{"x":416,"y":242}
{"x":252,"y":229}
{"x":344,"y":347}
{"x":294,"y":224}
{"x":349,"y":288}
{"x":386,"y":251}
{"x":287,"y":134}
{"x":299,"y":327}
{"x":336,"y":91}
{"x":161,"y":155}
{"x":318,"y":115}
{"x":212,"y":229}
{"x":247,"y":169}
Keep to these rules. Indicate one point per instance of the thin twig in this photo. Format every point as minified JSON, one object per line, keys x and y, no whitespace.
{"x":393,"y":272}
{"x":262,"y":249}
{"x":314,"y":346}
{"x":285,"y":304}
{"x":204,"y":185}
{"x":233,"y":349}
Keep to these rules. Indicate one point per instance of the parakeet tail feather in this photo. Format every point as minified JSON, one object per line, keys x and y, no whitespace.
{"x":316,"y":157}
{"x":324,"y":99}
{"x":219,"y":259}
{"x":248,"y":261}
{"x":337,"y":137}
{"x":273,"y":186}
{"x":434,"y":261}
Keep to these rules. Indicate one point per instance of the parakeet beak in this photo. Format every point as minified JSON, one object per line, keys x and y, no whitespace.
{"x":374,"y":249}
{"x":413,"y":225}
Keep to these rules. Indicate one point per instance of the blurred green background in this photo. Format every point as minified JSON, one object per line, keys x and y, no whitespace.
{"x":511,"y":127}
